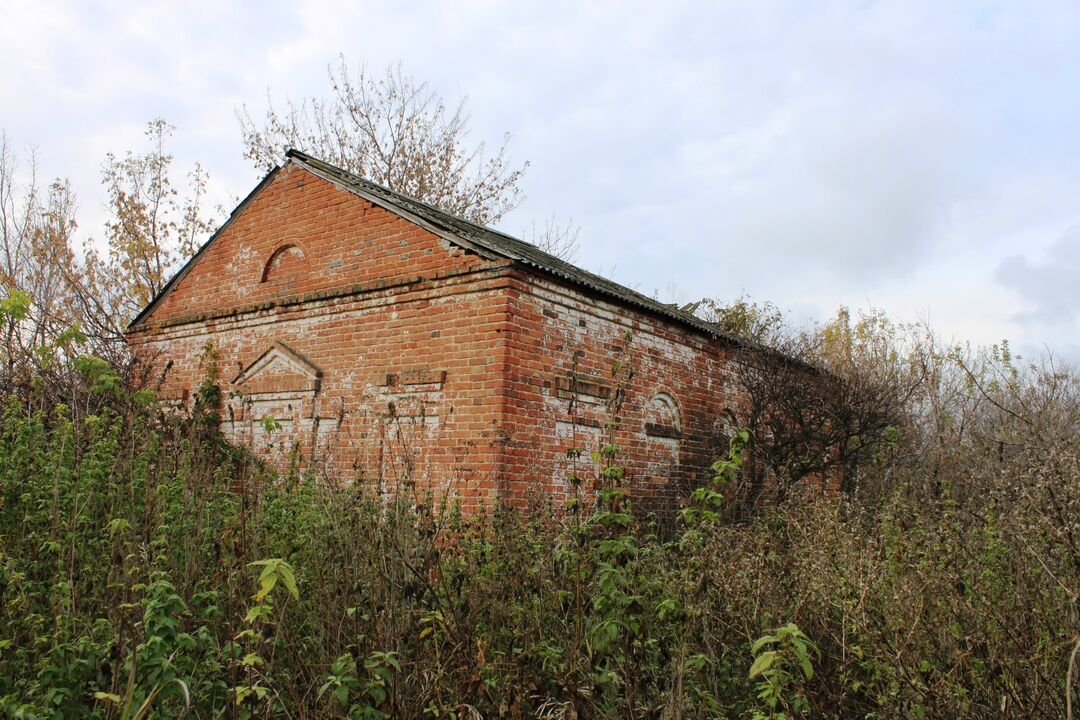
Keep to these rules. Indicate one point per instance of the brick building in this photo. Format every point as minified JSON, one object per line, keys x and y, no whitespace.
{"x":385,"y":341}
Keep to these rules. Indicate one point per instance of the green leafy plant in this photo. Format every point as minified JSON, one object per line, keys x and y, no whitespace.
{"x":783,"y":664}
{"x":706,"y":503}
{"x":361,"y":695}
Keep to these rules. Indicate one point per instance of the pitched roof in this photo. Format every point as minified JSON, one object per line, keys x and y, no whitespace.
{"x":484,"y":240}
{"x":499,"y":244}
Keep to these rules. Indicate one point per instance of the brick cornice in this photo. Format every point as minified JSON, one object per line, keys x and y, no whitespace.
{"x":412,"y":282}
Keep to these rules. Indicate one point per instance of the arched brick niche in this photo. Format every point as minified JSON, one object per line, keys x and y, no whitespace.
{"x":662,"y":417}
{"x":287,"y":264}
{"x":663,"y":434}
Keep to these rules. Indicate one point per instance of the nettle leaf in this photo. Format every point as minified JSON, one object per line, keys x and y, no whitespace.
{"x":267,"y":580}
{"x":763,"y":662}
{"x":666,"y":608}
{"x":288,"y":579}
{"x":255,"y":613}
{"x":807,"y":668}
{"x":274,"y":570}
{"x":762,"y":642}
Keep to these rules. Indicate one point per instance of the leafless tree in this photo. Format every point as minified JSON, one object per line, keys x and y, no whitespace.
{"x":557,"y":239}
{"x":398,"y":132}
{"x":36,"y":231}
{"x":821,"y":402}
{"x":152,"y":228}
{"x":395,"y":131}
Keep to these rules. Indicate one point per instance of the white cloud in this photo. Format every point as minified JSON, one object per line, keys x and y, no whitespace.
{"x":892,"y":153}
{"x":1049,"y":289}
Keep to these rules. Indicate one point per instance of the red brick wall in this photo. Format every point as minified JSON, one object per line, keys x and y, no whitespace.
{"x":398,"y":325}
{"x":409,"y":384}
{"x":345,"y":241}
{"x":671,"y":425}
{"x":394,"y":357}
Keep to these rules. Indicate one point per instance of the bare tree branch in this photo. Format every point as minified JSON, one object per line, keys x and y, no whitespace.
{"x":397,"y":132}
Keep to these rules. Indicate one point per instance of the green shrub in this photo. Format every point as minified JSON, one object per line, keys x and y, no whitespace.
{"x":148,"y":569}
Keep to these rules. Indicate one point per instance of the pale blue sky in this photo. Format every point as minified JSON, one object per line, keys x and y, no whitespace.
{"x":921,"y":157}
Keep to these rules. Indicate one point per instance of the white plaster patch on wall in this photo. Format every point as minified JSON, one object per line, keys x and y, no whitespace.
{"x":426,"y":426}
{"x":687,"y":343}
{"x":576,"y":443}
{"x":406,"y":445}
{"x":240,"y":264}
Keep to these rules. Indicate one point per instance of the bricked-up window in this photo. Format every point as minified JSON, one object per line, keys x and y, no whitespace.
{"x":663,"y":431}
{"x":662,"y":417}
{"x":287,"y":264}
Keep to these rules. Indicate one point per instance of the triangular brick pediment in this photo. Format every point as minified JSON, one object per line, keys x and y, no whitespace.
{"x":280,"y":369}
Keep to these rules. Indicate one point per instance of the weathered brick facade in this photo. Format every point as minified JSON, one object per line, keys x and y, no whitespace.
{"x":392,"y":344}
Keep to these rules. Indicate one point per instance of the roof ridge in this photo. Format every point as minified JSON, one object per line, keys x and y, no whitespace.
{"x":360,"y":179}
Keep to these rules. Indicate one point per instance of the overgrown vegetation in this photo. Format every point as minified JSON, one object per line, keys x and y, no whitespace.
{"x":148,"y":569}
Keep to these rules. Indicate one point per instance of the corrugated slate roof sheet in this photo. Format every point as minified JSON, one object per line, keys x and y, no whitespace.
{"x":500,"y":244}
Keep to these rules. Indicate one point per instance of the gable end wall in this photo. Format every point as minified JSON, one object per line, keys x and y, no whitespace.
{"x":340,"y":241}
